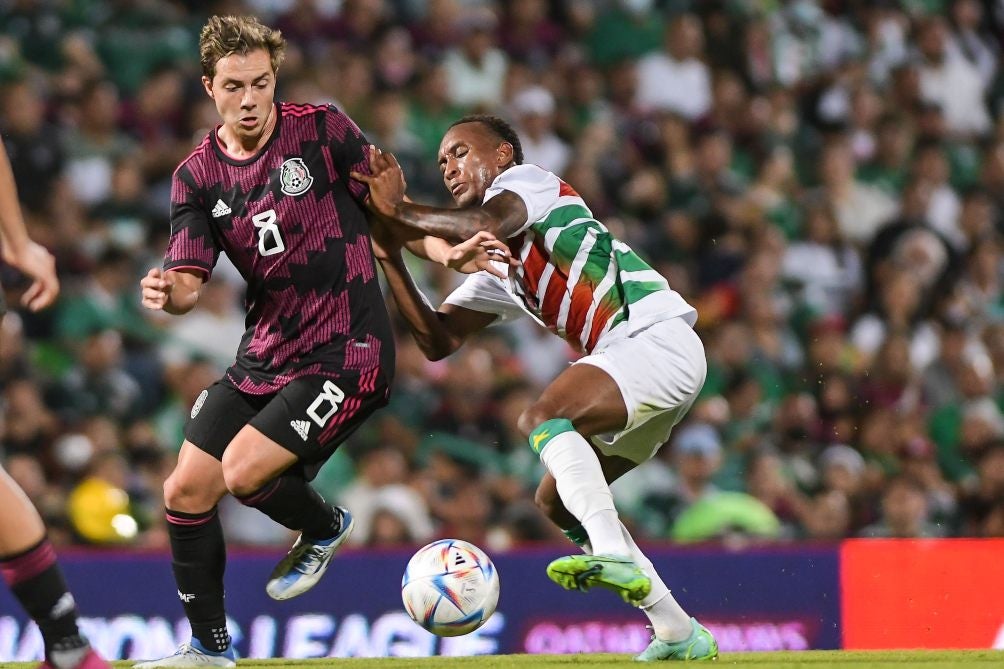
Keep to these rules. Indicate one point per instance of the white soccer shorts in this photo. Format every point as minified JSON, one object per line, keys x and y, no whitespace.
{"x":659,"y":370}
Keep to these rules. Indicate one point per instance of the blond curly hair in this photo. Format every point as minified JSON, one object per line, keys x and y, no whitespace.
{"x":226,"y":35}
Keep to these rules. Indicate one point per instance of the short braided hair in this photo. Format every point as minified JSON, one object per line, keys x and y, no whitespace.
{"x":500,"y":128}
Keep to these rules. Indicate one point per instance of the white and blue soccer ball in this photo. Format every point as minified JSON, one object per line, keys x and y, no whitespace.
{"x":450,"y":587}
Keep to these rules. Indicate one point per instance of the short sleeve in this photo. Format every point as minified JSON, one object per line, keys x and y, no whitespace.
{"x":192,"y":244}
{"x":349,"y":151}
{"x":483,"y":292}
{"x":538,"y":188}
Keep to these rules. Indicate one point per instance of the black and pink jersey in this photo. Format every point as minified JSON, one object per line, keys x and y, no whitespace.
{"x":293,"y":223}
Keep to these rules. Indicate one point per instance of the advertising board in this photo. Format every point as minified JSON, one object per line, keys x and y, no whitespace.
{"x":771,"y":599}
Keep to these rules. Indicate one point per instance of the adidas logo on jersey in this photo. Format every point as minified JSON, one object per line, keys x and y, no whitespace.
{"x":221,"y":209}
{"x":302,"y":427}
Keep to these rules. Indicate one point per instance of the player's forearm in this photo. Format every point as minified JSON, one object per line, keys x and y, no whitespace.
{"x":430,"y":248}
{"x":13,"y":234}
{"x":178,"y":305}
{"x":182,"y":297}
{"x":425,"y":324}
{"x":450,"y":224}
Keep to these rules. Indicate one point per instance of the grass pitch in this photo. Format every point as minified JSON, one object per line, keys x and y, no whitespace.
{"x":823,"y":659}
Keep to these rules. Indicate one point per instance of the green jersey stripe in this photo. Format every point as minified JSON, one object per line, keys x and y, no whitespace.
{"x":645,"y":276}
{"x":637,"y":290}
{"x":562,"y":216}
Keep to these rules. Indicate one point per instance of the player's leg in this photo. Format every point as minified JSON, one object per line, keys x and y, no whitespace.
{"x":675,"y":633}
{"x":659,"y":374}
{"x":29,"y":567}
{"x":263,"y":474}
{"x":198,"y":551}
{"x":269,"y":464}
{"x":636,"y":382}
{"x":581,"y":402}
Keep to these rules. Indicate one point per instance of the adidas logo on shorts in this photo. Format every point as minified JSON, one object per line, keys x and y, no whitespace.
{"x":302,"y":427}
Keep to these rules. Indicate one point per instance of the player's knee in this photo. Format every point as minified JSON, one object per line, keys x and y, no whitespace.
{"x":184,"y":494}
{"x":241,"y":476}
{"x":532,"y":417}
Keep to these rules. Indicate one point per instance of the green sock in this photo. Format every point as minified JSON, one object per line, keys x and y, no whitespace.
{"x":548,"y":430}
{"x":577,"y":535}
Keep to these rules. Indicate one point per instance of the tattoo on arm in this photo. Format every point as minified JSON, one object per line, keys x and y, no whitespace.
{"x":503,"y":216}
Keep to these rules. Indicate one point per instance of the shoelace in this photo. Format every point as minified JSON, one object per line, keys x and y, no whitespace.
{"x":309,"y":559}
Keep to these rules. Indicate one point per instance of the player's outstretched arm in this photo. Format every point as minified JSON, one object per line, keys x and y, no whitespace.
{"x":482,"y":252}
{"x":438,"y":333}
{"x":19,"y":250}
{"x":502,"y":216}
{"x":173,"y":291}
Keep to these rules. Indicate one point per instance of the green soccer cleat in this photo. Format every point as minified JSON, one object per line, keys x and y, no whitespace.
{"x":581,"y":572}
{"x":700,"y":645}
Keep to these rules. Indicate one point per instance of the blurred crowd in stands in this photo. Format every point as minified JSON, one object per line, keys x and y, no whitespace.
{"x":823,"y":179}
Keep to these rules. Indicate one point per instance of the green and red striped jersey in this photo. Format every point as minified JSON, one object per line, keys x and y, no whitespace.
{"x":574,"y":277}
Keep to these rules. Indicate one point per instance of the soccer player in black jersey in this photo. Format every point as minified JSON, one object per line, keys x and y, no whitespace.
{"x":270,"y":187}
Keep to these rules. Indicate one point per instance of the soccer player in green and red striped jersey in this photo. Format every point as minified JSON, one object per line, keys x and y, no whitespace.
{"x":612,"y":410}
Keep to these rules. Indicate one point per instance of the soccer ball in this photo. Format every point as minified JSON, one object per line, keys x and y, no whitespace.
{"x":450,"y":587}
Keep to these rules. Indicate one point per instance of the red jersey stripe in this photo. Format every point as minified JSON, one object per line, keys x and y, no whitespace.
{"x":565,"y":189}
{"x":582,"y":298}
{"x":604,"y":312}
{"x":556,"y":288}
{"x":534,"y":265}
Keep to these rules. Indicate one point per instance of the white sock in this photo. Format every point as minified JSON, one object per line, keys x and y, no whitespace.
{"x":669,"y":621}
{"x":584,"y":491}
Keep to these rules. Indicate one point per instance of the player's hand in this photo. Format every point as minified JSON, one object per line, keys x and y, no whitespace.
{"x":482,"y":252}
{"x":38,"y":264}
{"x":385,"y":180}
{"x":156,"y":285}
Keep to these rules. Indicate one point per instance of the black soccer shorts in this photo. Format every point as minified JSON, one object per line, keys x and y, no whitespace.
{"x":310,"y":417}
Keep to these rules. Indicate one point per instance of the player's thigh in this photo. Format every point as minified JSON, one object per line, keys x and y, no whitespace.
{"x":657,"y":370}
{"x":20,"y":525}
{"x":196,"y":484}
{"x":252,"y":460}
{"x":314,"y":415}
{"x":218,"y":415}
{"x":584,"y":394}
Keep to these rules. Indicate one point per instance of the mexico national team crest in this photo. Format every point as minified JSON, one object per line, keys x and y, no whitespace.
{"x":295,"y":177}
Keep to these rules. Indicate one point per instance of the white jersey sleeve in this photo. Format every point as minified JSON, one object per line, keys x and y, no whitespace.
{"x":484,"y":292}
{"x":537,"y":187}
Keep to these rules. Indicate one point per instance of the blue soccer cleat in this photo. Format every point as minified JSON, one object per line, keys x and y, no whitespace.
{"x":193,"y":654}
{"x":306,"y":562}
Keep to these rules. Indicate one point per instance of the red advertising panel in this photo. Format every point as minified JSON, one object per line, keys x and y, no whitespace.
{"x":944,"y":593}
